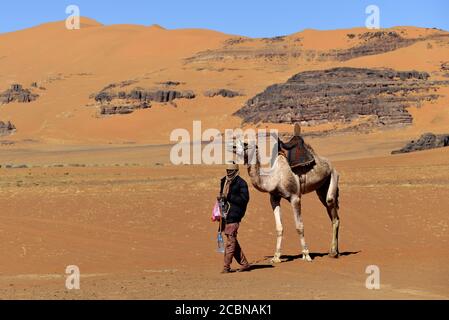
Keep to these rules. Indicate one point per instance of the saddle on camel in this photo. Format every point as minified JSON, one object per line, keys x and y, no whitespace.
{"x":297,"y":153}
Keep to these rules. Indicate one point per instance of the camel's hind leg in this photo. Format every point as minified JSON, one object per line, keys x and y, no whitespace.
{"x":296,"y":205}
{"x":276,"y":205}
{"x":328,"y":194}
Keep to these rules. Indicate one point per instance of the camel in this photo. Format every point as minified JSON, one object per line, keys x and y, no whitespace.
{"x":281,"y":182}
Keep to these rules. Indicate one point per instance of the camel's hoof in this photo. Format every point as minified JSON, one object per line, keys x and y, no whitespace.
{"x":306,"y":257}
{"x":276,"y":260}
{"x":334,"y":255}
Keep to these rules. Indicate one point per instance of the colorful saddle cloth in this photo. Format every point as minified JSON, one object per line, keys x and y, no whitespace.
{"x":296,"y":152}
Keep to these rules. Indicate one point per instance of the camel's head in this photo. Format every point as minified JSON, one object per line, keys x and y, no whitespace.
{"x":239,"y":147}
{"x":244,"y":150}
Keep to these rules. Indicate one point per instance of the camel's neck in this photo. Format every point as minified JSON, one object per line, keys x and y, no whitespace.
{"x":254,"y":173}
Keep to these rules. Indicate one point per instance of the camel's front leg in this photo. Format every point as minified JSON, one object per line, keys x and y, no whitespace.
{"x":296,"y":205}
{"x":276,"y":205}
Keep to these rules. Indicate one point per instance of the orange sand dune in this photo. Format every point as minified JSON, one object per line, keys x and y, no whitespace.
{"x":74,"y":64}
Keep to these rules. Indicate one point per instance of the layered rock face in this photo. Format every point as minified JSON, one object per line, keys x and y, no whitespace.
{"x":226,"y":93}
{"x":425,"y":142}
{"x":145,"y":95}
{"x":445,"y":69}
{"x":342,"y":94}
{"x":6,"y":128}
{"x":125,"y":102}
{"x":171,"y":83}
{"x":285,"y":48}
{"x":445,"y":66}
{"x":17,"y":94}
{"x":372,"y":43}
{"x":110,"y":109}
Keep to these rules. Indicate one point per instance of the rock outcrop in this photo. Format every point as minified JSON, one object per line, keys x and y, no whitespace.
{"x":371,"y":43}
{"x":290,"y":48}
{"x":425,"y":142}
{"x":6,"y":128}
{"x":342,"y":94}
{"x":140,"y":94}
{"x":444,"y":68}
{"x":17,"y":94}
{"x":171,"y":83}
{"x":124,"y":102}
{"x":162,"y":96}
{"x":226,"y":93}
{"x":110,"y":109}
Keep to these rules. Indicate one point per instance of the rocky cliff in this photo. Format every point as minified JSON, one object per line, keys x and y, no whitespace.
{"x":113,"y":101}
{"x":17,"y":94}
{"x":372,"y":43}
{"x":342,"y":94}
{"x":284,"y":48}
{"x":225,"y":93}
{"x":425,"y":142}
{"x":6,"y":128}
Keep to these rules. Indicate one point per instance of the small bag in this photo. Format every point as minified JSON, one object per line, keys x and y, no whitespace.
{"x":216,"y":212}
{"x":216,"y":216}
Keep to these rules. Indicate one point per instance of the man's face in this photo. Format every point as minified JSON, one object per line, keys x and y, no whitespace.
{"x":230,"y":172}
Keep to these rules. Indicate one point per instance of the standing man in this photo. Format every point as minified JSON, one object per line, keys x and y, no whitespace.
{"x":234,"y":193}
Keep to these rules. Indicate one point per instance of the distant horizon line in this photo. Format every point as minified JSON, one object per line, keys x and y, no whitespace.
{"x":219,"y":31}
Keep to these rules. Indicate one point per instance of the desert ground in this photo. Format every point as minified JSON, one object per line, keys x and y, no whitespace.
{"x":79,"y":187}
{"x":141,"y":230}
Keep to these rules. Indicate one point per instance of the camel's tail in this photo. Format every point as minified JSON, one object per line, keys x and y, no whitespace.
{"x":333,"y":191}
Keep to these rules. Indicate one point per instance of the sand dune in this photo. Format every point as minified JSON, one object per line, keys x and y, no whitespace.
{"x":74,"y":64}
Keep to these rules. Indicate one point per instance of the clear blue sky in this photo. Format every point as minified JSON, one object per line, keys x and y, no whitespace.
{"x":256,"y":18}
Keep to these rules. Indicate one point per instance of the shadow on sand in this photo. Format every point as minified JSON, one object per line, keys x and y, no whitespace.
{"x":261,"y":266}
{"x":313,"y":255}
